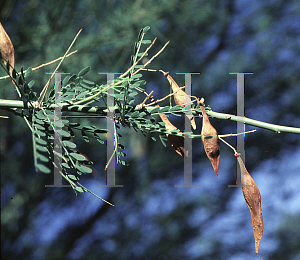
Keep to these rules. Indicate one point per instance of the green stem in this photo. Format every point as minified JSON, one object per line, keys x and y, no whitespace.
{"x":95,"y":194}
{"x":103,"y":110}
{"x":249,"y":121}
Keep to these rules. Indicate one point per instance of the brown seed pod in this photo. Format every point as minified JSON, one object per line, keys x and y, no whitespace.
{"x":211,"y":145}
{"x":177,"y":142}
{"x":7,"y":48}
{"x":180,"y":97}
{"x":253,"y":200}
{"x":7,"y":52}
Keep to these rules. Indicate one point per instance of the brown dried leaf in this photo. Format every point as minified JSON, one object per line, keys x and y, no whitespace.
{"x":180,"y":97}
{"x":253,"y":200}
{"x":7,"y":48}
{"x":211,"y":145}
{"x":177,"y":142}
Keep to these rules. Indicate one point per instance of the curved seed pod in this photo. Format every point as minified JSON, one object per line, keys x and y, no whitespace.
{"x":177,"y":142}
{"x":211,"y":145}
{"x":7,"y":52}
{"x":180,"y":97}
{"x":253,"y":200}
{"x":7,"y":48}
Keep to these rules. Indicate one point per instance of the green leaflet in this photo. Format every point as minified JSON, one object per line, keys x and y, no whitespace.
{"x":84,"y":71}
{"x":41,"y":141}
{"x":163,"y":140}
{"x":38,"y":121}
{"x":77,"y":156}
{"x":175,"y":108}
{"x":140,"y":66}
{"x":100,"y":131}
{"x":42,"y":158}
{"x":164,"y":109}
{"x":64,"y":133}
{"x":28,"y":72}
{"x":141,"y":54}
{"x":31,"y":83}
{"x":39,"y":127}
{"x":132,"y":94}
{"x":88,"y":82}
{"x":65,"y":81}
{"x":121,"y":146}
{"x":73,"y":177}
{"x":141,"y":82}
{"x":84,"y":135}
{"x":135,"y":114}
{"x":69,"y":144}
{"x":65,"y":165}
{"x":147,"y":28}
{"x":145,"y":41}
{"x":83,"y":169}
{"x":136,"y":76}
{"x":41,"y":148}
{"x":72,"y":78}
{"x":43,"y":168}
{"x":80,"y":189}
{"x":154,"y":110}
{"x":135,"y":84}
{"x":98,"y":138}
{"x":39,"y":133}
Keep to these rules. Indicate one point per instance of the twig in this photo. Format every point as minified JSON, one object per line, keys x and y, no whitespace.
{"x":106,"y":166}
{"x":12,"y":110}
{"x":138,"y":49}
{"x":45,"y":91}
{"x":95,"y":194}
{"x":112,"y":156}
{"x":26,"y":120}
{"x":238,"y":133}
{"x":148,"y":69}
{"x":166,"y":74}
{"x":122,"y":76}
{"x":134,"y":64}
{"x":47,"y":84}
{"x":159,"y":100}
{"x":48,"y":63}
{"x":148,"y":95}
{"x":228,"y":145}
{"x":125,"y":73}
{"x":149,"y":61}
{"x":149,"y":47}
{"x":43,"y":65}
{"x":162,"y":99}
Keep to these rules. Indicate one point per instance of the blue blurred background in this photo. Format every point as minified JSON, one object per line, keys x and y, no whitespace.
{"x":152,"y":219}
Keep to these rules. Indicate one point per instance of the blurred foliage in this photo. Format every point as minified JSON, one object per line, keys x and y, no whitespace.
{"x":152,"y":219}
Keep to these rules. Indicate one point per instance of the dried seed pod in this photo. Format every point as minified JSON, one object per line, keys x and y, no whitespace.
{"x":7,"y":52}
{"x":253,"y":200}
{"x":7,"y":48}
{"x":211,"y":145}
{"x":177,"y":142}
{"x":180,"y":97}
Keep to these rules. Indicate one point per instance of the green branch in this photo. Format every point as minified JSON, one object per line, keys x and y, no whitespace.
{"x":249,"y":121}
{"x":102,"y":111}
